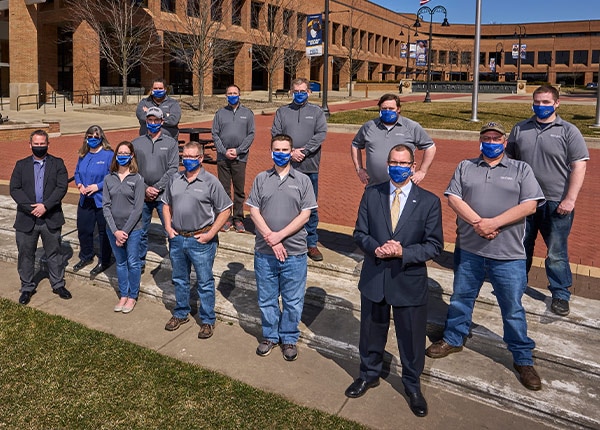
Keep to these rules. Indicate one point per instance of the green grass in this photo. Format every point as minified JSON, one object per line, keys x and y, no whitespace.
{"x":57,"y":374}
{"x":456,"y":116}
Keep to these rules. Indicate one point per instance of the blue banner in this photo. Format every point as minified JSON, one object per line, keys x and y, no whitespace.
{"x":314,"y":33}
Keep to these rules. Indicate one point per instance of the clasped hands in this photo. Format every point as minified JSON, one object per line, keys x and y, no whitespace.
{"x":89,"y":190}
{"x":298,"y":155}
{"x":390,"y":249}
{"x":273,"y":239}
{"x":486,"y":228}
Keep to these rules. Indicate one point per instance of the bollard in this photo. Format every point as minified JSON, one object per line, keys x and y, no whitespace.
{"x":366,"y":91}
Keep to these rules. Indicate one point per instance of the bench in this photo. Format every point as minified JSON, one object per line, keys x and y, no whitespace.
{"x":281,"y":92}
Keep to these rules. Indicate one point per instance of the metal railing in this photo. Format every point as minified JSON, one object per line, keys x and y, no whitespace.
{"x":37,"y":101}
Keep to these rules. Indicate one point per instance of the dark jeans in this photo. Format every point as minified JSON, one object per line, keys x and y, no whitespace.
{"x":27,"y":245}
{"x":146,"y":221}
{"x":88,"y":216}
{"x":311,"y":226}
{"x":233,"y":171}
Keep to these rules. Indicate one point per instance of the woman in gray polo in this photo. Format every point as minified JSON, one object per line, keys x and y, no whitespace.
{"x":123,"y":200}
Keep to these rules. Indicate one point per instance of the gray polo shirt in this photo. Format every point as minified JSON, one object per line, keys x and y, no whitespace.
{"x":195,"y":204}
{"x":377,"y":141}
{"x":157,"y":160}
{"x":280,"y":201}
{"x":233,"y":129}
{"x":490,"y":191}
{"x":122,"y":201}
{"x":549,"y":151}
{"x":171,"y":111}
{"x":307,"y":127}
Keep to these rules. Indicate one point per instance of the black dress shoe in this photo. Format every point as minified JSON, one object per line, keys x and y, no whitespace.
{"x":98,"y":269}
{"x":26,"y":297}
{"x":418,"y":404}
{"x":360,"y":387}
{"x":63,"y":293}
{"x":82,"y":263}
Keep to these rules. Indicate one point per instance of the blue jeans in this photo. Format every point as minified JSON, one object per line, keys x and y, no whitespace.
{"x":129,"y":266}
{"x":555,"y":231}
{"x":146,"y":221}
{"x":288,"y":279}
{"x":509,"y":280}
{"x":185,"y":252}
{"x":313,"y":221}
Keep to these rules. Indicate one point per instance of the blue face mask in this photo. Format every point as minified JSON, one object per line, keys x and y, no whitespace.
{"x":399,"y":174}
{"x":388,"y":116}
{"x":491,"y":150}
{"x":124,"y":160}
{"x":159,"y":94}
{"x":233,"y":100}
{"x":281,"y":158}
{"x":543,"y":112}
{"x":300,"y":98}
{"x":153,"y":128}
{"x":190,"y":165}
{"x":93,"y":142}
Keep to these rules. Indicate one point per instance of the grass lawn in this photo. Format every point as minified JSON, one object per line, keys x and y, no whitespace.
{"x":455,"y":116}
{"x":57,"y":374}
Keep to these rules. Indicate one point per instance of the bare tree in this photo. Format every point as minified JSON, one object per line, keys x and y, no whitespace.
{"x":292,"y":62}
{"x":354,"y":44}
{"x":194,"y":42}
{"x":272,"y":36}
{"x":126,"y":34}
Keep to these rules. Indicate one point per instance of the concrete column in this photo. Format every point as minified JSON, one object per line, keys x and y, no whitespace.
{"x":24,"y":73}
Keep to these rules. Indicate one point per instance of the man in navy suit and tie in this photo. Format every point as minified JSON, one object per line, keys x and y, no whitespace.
{"x":399,"y":228}
{"x":38,"y":185}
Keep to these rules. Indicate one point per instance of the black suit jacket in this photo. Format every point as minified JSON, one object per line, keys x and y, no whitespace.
{"x":22,"y":190}
{"x":401,"y":281}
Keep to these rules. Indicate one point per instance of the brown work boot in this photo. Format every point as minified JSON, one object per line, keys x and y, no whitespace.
{"x":441,"y":349}
{"x":529,"y":377}
{"x":206,"y":331}
{"x":174,"y":323}
{"x":314,"y":253}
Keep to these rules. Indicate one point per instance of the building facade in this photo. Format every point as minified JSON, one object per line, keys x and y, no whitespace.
{"x":44,"y":52}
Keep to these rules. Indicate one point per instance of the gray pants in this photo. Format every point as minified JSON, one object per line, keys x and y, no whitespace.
{"x":27,"y":245}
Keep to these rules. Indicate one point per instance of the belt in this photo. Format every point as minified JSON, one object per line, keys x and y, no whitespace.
{"x":185,"y":233}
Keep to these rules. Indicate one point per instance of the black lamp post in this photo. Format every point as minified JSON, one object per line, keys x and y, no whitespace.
{"x":407,"y":44}
{"x":417,"y":24}
{"x":521,"y":34}
{"x":325,"y":60}
{"x":501,"y":51}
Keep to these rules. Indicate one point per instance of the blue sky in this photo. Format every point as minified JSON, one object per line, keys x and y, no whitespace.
{"x":504,"y":11}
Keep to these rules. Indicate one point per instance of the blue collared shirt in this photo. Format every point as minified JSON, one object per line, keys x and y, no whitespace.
{"x":39,"y":168}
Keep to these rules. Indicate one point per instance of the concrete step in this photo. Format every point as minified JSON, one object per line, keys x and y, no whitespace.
{"x":566,"y":351}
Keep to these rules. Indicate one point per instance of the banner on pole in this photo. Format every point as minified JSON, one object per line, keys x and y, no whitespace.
{"x":314,"y":35}
{"x":421,"y":52}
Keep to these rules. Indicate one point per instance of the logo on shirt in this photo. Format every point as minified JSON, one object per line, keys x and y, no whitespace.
{"x":163,"y":148}
{"x":557,"y":136}
{"x":309,"y":117}
{"x":507,"y":178}
{"x":130,"y":183}
{"x":243,"y":117}
{"x":100,"y":162}
{"x":294,"y":187}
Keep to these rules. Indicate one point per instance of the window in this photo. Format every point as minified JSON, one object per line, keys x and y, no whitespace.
{"x":545,"y":57}
{"x":529,"y":58}
{"x":482,"y":57}
{"x":167,"y":5}
{"x":236,"y":12}
{"x":300,"y":25}
{"x":193,"y":8}
{"x":563,"y":57}
{"x":465,"y":57}
{"x":345,"y":35}
{"x":443,"y":57}
{"x":271,"y":19}
{"x":596,"y":56}
{"x":216,"y":10}
{"x":363,"y":34}
{"x":370,"y":40}
{"x":255,"y":9}
{"x":353,"y":39}
{"x":287,"y":18}
{"x":434,"y":55}
{"x":580,"y":57}
{"x":378,"y":43}
{"x":335,"y":28}
{"x":453,"y":57}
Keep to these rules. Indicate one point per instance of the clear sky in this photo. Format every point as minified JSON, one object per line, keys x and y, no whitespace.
{"x":504,"y":11}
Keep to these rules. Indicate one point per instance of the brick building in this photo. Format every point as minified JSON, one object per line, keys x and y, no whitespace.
{"x":41,"y":50}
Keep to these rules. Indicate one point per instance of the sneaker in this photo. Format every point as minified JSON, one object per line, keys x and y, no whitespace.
{"x":174,"y":323}
{"x":560,"y":307}
{"x":227,"y":226}
{"x":290,"y":352}
{"x":129,"y":306}
{"x":441,"y":349}
{"x":265,"y":347}
{"x":119,"y":306}
{"x":239,"y":227}
{"x":528,"y":377}
{"x":314,"y":253}
{"x":206,"y":331}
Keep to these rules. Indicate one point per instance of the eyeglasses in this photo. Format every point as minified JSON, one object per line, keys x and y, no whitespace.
{"x":400,"y":163}
{"x":154,"y":121}
{"x":190,"y":157}
{"x":299,"y":92}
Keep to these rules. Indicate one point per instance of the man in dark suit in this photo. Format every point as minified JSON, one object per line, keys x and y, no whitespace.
{"x":38,"y":185}
{"x":399,"y":228}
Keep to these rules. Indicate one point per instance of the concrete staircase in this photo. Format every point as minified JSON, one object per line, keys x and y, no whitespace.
{"x":566,"y":347}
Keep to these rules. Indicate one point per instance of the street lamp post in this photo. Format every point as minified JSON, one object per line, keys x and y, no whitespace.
{"x":417,"y":24}
{"x":501,"y":51}
{"x":407,"y":45}
{"x":325,"y":61}
{"x":521,"y":34}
